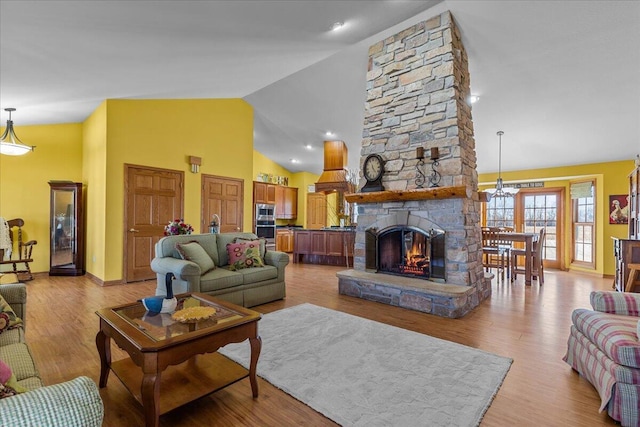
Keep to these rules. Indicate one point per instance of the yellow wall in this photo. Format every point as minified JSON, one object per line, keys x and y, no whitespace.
{"x":163,"y":134}
{"x":94,"y":161}
{"x":24,"y":188}
{"x":611,"y":179}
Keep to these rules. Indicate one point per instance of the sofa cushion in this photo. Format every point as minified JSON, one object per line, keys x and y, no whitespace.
{"x":244,"y":255}
{"x":192,"y":251}
{"x":10,"y":320}
{"x":255,"y":275}
{"x":613,"y":334}
{"x":12,"y":336}
{"x":19,"y":358}
{"x":220,"y":278}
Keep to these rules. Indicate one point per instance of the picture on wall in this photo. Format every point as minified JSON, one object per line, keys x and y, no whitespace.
{"x":619,"y":209}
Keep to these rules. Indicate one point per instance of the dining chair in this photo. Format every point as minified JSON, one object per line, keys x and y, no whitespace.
{"x":537,"y":267}
{"x":495,"y":251}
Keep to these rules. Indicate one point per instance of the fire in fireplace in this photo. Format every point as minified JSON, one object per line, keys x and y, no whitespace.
{"x":407,"y":251}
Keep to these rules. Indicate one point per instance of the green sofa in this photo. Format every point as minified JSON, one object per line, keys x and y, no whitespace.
{"x":69,"y":404}
{"x":247,"y":287}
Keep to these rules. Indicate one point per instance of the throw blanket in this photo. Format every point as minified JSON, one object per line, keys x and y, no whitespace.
{"x":5,"y":239}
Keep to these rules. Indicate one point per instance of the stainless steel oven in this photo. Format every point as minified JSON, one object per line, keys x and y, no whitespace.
{"x":266,"y":223}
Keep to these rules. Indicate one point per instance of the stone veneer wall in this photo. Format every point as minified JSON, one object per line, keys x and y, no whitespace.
{"x":417,"y":91}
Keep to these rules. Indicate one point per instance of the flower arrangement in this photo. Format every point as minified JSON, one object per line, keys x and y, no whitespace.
{"x":177,"y":226}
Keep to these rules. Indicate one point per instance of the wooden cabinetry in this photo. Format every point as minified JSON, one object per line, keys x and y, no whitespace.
{"x":264,"y":193}
{"x":324,"y":247}
{"x":626,"y":251}
{"x":286,"y":202}
{"x":284,"y":240}
{"x":634,"y":204}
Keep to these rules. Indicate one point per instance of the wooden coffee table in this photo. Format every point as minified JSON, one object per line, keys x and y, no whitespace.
{"x":172,"y":363}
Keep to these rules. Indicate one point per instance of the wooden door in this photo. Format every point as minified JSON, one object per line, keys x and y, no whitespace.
{"x":224,"y":197}
{"x":153,"y":197}
{"x":316,"y":211}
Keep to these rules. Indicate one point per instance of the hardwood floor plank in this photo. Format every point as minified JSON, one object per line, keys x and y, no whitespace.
{"x":527,"y":323}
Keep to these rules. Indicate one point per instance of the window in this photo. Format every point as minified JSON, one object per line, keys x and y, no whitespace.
{"x":583,"y":218}
{"x":500,"y":212}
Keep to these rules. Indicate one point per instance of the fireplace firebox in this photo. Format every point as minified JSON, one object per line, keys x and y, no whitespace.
{"x":406,"y":251}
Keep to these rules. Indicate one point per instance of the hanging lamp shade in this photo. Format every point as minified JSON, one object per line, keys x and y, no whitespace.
{"x":10,"y":144}
{"x":501,"y":190}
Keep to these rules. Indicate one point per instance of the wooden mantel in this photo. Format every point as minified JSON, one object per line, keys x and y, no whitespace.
{"x":435,"y":193}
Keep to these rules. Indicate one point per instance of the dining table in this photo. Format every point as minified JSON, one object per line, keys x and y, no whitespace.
{"x":529,"y":239}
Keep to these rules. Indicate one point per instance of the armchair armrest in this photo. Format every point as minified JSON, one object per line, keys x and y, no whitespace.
{"x":15,"y":294}
{"x":74,"y":403}
{"x":624,"y":303}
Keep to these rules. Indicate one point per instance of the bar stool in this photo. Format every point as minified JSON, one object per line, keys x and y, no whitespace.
{"x":634,"y":269}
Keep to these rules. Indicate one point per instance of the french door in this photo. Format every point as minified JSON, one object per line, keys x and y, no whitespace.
{"x":529,"y":211}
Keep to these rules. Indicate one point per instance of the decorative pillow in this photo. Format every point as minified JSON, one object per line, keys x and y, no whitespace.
{"x":252,"y":242}
{"x":9,"y":320}
{"x":192,"y":251}
{"x":243,"y":255}
{"x":8,"y":383}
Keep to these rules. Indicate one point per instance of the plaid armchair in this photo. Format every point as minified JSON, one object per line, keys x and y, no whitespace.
{"x":604,"y":348}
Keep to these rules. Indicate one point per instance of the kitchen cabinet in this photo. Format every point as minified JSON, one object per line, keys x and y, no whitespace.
{"x":264,"y":193}
{"x":324,"y":247}
{"x":286,"y":202}
{"x":626,"y":251}
{"x":284,"y":240}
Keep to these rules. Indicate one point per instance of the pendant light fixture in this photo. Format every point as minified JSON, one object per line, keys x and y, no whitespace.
{"x":10,"y":144}
{"x":501,"y":190}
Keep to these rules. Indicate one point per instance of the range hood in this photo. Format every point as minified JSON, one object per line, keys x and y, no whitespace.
{"x":334,"y":175}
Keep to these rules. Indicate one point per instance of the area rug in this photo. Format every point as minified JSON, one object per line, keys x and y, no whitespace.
{"x":358,"y":372}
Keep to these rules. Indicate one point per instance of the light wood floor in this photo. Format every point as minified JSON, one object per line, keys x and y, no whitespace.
{"x":528,"y":324}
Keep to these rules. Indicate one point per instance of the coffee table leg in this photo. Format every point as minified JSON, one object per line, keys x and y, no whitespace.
{"x":151,"y":399}
{"x":256,"y":346}
{"x":103,"y":343}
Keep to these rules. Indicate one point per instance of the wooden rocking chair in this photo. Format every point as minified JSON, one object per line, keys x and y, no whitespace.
{"x":23,"y":254}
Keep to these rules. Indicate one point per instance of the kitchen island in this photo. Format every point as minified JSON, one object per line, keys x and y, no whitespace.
{"x":329,"y":246}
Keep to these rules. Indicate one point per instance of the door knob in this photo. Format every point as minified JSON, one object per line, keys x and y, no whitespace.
{"x":133,"y":230}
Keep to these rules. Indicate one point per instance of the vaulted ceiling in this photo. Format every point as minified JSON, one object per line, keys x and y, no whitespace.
{"x":559,"y":78}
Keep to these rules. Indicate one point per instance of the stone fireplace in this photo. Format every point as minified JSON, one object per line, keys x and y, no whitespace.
{"x":419,"y":248}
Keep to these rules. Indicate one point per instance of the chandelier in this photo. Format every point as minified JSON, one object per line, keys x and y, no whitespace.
{"x":10,"y":144}
{"x":501,"y":190}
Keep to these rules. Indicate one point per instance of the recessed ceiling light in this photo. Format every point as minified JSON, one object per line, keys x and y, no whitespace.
{"x":308,"y":146}
{"x":473,"y":99}
{"x":328,"y":133}
{"x":337,"y":26}
{"x":293,"y":160}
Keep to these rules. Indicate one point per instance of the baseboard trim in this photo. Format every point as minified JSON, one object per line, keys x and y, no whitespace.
{"x":98,"y":281}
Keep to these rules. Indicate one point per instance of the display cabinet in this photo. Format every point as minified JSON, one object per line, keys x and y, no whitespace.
{"x":66,"y":229}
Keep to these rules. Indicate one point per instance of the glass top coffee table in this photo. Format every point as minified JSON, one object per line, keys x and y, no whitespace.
{"x":155,"y":372}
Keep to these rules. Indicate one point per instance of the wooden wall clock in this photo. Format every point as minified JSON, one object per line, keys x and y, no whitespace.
{"x":373,"y":169}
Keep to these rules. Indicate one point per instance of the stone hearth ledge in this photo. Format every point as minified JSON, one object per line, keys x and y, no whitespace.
{"x":427,"y":296}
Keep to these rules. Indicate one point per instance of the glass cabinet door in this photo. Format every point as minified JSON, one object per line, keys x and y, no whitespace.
{"x":66,"y":229}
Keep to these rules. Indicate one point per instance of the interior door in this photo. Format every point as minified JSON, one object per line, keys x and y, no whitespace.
{"x":224,"y":197}
{"x":316,"y":211}
{"x":153,"y":197}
